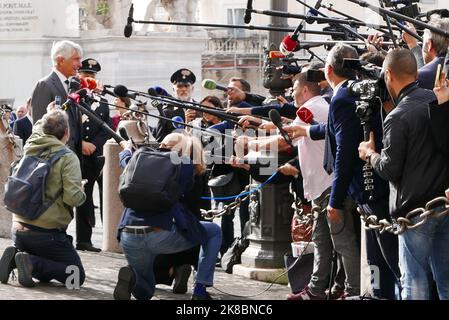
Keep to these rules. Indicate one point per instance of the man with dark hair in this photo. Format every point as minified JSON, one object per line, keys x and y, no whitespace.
{"x":417,"y":173}
{"x":45,"y":250}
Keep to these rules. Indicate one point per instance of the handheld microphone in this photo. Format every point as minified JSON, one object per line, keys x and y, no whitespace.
{"x":306,"y":115}
{"x":158,"y":91}
{"x":122,"y":92}
{"x":210,"y":84}
{"x":275,"y":117}
{"x":90,"y":83}
{"x":248,"y":11}
{"x":129,"y":26}
{"x":178,"y":125}
{"x":123,"y":133}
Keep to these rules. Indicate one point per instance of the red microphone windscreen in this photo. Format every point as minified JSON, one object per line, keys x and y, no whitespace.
{"x":289,"y":44}
{"x":91,"y":83}
{"x":305,"y":115}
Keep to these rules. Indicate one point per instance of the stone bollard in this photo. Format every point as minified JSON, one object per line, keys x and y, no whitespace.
{"x":9,"y":154}
{"x":112,"y":206}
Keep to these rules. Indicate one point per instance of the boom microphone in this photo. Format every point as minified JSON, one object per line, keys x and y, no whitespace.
{"x":248,"y":11}
{"x":122,"y":92}
{"x":129,"y":26}
{"x":275,"y":117}
{"x":210,"y":84}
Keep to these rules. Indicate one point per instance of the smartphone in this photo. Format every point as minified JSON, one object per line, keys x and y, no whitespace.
{"x":438,"y":79}
{"x":58,"y":101}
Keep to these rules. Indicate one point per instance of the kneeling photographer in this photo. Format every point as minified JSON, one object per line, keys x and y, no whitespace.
{"x":159,"y":222}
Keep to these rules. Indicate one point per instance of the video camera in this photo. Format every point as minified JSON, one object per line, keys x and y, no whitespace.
{"x":409,"y":7}
{"x":372,"y":86}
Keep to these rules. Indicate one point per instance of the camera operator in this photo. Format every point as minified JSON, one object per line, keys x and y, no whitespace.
{"x":410,"y":161}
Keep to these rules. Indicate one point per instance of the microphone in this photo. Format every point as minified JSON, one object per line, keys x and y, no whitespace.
{"x":275,"y":117}
{"x":306,"y":115}
{"x":289,"y":44}
{"x":123,"y":133}
{"x":122,"y":92}
{"x":129,"y":26}
{"x":158,"y":91}
{"x":74,"y":97}
{"x":178,"y":125}
{"x":248,"y":11}
{"x":210,"y":84}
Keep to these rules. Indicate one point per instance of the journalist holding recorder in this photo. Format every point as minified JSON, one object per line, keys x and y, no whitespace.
{"x":144,"y":234}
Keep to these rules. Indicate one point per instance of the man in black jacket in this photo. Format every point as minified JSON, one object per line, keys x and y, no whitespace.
{"x":417,"y":173}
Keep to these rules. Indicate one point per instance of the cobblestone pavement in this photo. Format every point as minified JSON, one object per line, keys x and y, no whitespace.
{"x":101,"y":275}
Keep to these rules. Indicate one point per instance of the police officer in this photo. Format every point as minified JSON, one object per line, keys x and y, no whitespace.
{"x":183,"y":81}
{"x":94,"y":138}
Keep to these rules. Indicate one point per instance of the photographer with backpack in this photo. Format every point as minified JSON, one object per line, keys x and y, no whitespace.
{"x":43,"y":213}
{"x":155,"y":187}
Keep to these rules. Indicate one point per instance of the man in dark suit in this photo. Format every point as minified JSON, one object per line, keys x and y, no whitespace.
{"x":94,"y":138}
{"x":343,"y":134}
{"x":66,"y":57}
{"x":434,"y":52}
{"x":23,"y":127}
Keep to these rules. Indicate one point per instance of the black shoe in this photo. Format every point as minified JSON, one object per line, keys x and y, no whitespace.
{"x":87,"y":247}
{"x":198,"y":297}
{"x":182,"y":274}
{"x":7,"y":263}
{"x":24,"y":269}
{"x":125,"y":284}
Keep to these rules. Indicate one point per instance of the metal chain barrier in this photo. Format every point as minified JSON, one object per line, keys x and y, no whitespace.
{"x":227,"y":209}
{"x":402,"y":224}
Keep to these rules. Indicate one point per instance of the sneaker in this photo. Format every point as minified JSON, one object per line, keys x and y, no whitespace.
{"x":7,"y":263}
{"x":125,"y":284}
{"x":305,"y":294}
{"x":205,"y":297}
{"x":24,"y":269}
{"x":182,"y":274}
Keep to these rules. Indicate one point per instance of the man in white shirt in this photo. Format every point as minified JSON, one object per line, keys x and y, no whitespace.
{"x":327,"y":236}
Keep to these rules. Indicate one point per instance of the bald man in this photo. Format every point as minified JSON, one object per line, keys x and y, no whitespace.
{"x":417,"y":174}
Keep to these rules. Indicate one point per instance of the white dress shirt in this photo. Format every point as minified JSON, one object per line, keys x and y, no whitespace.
{"x":311,"y":153}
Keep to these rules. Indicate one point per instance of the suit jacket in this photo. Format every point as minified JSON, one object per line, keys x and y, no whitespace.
{"x":428,"y":73}
{"x":45,"y":92}
{"x":23,"y":128}
{"x":345,"y":133}
{"x":439,"y":118}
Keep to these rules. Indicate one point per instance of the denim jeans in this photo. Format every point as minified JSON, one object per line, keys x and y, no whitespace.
{"x":141,"y":250}
{"x":50,"y":253}
{"x":341,"y":236}
{"x":423,"y":256}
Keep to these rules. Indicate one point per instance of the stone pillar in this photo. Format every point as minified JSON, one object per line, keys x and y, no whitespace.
{"x":8,"y":155}
{"x":270,"y":219}
{"x":112,"y":206}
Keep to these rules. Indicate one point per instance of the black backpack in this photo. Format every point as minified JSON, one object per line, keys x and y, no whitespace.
{"x":25,"y":187}
{"x":150,"y":182}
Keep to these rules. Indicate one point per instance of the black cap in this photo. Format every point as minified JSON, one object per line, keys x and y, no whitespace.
{"x":183,"y":76}
{"x":90,"y":66}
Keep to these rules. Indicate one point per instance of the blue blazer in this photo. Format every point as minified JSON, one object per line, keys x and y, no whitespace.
{"x":345,"y":133}
{"x":428,"y":73}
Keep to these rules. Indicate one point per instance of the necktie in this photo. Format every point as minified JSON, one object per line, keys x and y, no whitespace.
{"x":328,"y":161}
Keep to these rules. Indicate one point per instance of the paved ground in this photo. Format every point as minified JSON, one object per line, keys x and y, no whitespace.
{"x":101,"y":274}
